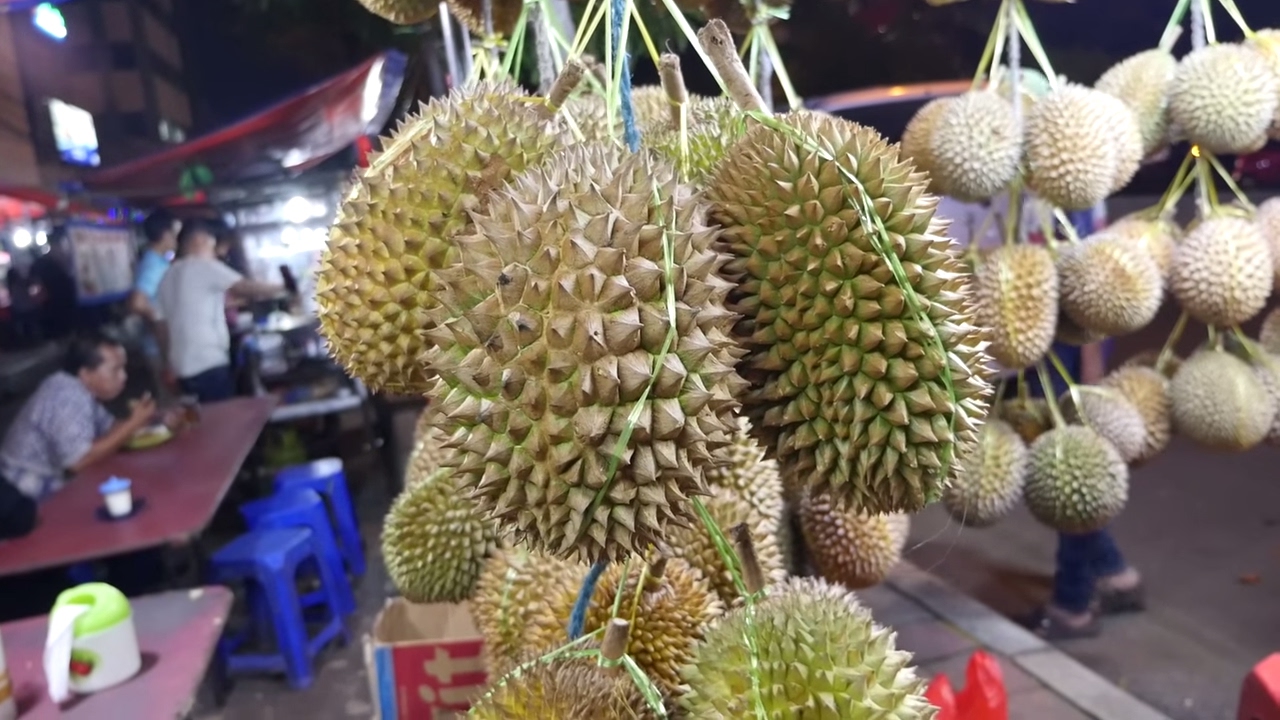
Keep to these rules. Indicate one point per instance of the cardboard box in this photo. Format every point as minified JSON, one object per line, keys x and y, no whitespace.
{"x":424,"y":661}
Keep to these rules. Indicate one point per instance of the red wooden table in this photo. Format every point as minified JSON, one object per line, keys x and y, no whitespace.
{"x":177,"y":632}
{"x":182,"y":482}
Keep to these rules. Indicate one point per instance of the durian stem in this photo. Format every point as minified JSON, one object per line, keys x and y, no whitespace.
{"x":673,"y":85}
{"x":1028,"y":32}
{"x":1166,"y":352}
{"x":995,"y":40}
{"x":1234,"y":12}
{"x":1172,"y":194}
{"x":1230,"y":181}
{"x":1050,"y":397}
{"x":578,"y":619}
{"x":717,"y":43}
{"x":616,"y":637}
{"x":1173,"y":29}
{"x":566,"y":82}
{"x":753,"y":574}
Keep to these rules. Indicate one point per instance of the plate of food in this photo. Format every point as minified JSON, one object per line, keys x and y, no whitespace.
{"x":149,"y":437}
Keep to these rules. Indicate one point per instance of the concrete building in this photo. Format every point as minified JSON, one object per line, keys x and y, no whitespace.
{"x":117,"y":62}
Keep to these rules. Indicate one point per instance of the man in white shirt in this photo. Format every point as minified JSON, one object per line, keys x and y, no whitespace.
{"x":190,"y":306}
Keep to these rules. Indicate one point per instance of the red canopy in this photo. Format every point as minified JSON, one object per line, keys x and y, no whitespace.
{"x":289,"y":137}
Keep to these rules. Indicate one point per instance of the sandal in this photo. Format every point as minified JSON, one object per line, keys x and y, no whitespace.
{"x":1115,"y":602}
{"x":1048,"y":627}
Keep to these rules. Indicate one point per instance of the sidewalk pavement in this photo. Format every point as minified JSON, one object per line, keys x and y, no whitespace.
{"x":943,"y":627}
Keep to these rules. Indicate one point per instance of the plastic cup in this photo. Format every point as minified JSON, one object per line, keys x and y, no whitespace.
{"x":117,"y":493}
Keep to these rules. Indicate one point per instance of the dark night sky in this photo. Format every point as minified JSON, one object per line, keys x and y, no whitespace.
{"x":233,"y":74}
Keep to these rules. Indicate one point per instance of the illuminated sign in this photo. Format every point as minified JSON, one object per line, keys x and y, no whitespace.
{"x":48,"y":19}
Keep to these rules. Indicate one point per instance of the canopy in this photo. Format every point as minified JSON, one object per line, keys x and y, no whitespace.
{"x":287,"y":138}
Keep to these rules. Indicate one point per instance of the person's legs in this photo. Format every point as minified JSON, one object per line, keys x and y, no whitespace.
{"x":211,"y":385}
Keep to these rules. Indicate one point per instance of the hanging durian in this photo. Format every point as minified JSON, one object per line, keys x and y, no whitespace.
{"x":522,"y":604}
{"x":398,"y":221}
{"x":1111,"y":415}
{"x":848,"y":381}
{"x":1076,"y":480}
{"x":696,"y":546}
{"x":1081,"y":146}
{"x":1148,"y":391}
{"x":1222,"y":271}
{"x":1108,"y":285}
{"x":674,"y":607}
{"x":402,"y":12}
{"x":564,"y":308}
{"x":1219,"y":402}
{"x":435,"y":541}
{"x":1224,"y":98}
{"x":1144,"y":82}
{"x":852,"y":548}
{"x":974,"y":150}
{"x":991,"y":476}
{"x":820,"y":655}
{"x":1017,"y":293}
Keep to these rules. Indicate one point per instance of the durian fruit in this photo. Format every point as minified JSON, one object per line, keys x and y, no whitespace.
{"x":1154,"y":238}
{"x":522,"y":604}
{"x":398,"y":221}
{"x":849,"y":547}
{"x":695,"y":545}
{"x":1017,"y":293}
{"x":820,"y":655}
{"x":712,"y":126}
{"x":746,"y":473}
{"x":1267,"y":368}
{"x":1219,"y":402}
{"x":1069,"y":333}
{"x":1224,"y":98}
{"x":1267,"y":43}
{"x":1148,"y":391}
{"x":847,"y":381}
{"x":975,"y":148}
{"x":1029,"y":417}
{"x":1076,"y":480}
{"x":402,"y":12}
{"x":1143,"y":82}
{"x":991,"y":476}
{"x":435,"y":541}
{"x":1111,"y":415}
{"x":1222,"y":271}
{"x":675,"y":605}
{"x":1108,"y":285}
{"x":565,"y":688}
{"x":1081,"y":145}
{"x":505,"y":14}
{"x":567,"y":314}
{"x":1268,"y":219}
{"x":1269,"y":333}
{"x":918,"y":135}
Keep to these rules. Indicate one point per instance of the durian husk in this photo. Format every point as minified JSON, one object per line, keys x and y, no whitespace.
{"x":696,"y":546}
{"x":1222,"y":271}
{"x":398,"y":221}
{"x":1148,"y":390}
{"x":402,"y":12}
{"x":1109,"y":413}
{"x":818,"y":653}
{"x":1017,"y":294}
{"x":1144,"y":81}
{"x":1224,"y":98}
{"x":992,"y":473}
{"x":974,"y":148}
{"x":1108,"y":286}
{"x":1219,"y":402}
{"x":1029,"y":416}
{"x":854,"y":549}
{"x":564,"y":688}
{"x":434,"y":541}
{"x":1076,"y":480}
{"x":565,"y":306}
{"x":847,"y":387}
{"x":522,"y":604}
{"x":667,"y":620}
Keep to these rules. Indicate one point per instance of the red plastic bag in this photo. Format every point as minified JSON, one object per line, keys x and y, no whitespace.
{"x":941,"y":694}
{"x":984,"y":696}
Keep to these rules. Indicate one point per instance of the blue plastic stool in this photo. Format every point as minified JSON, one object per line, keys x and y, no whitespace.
{"x":268,"y":560}
{"x":326,"y":477}
{"x":303,"y":507}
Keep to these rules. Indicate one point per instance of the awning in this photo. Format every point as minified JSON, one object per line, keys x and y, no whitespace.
{"x":287,"y":138}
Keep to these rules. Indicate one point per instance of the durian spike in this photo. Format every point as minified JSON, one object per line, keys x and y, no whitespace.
{"x":566,"y":82}
{"x":717,"y":43}
{"x":616,"y":637}
{"x":673,"y":85}
{"x":752,"y":575}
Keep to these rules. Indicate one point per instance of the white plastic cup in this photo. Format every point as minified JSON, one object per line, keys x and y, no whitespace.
{"x":117,"y":493}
